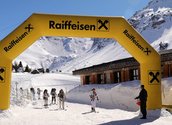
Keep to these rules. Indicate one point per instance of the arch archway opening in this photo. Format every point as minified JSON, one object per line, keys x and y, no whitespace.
{"x":81,"y":26}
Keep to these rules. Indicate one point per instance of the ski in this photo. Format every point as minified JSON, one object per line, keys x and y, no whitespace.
{"x":90,"y":112}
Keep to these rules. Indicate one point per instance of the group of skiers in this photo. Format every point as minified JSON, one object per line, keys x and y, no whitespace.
{"x":61,"y":95}
{"x":93,"y":98}
{"x":46,"y":95}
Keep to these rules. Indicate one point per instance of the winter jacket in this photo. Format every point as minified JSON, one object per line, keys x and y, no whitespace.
{"x":93,"y":96}
{"x":142,"y":95}
{"x":45,"y":96}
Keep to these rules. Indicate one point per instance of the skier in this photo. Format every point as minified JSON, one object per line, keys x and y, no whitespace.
{"x":21,"y":93}
{"x":32,"y":90}
{"x":94,"y":98}
{"x":28,"y":94}
{"x":61,"y":96}
{"x":143,"y":98}
{"x":53,"y":94}
{"x":45,"y":97}
{"x":39,"y":93}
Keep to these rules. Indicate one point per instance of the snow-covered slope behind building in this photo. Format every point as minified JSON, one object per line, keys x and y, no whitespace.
{"x":67,"y":54}
{"x":154,"y":22}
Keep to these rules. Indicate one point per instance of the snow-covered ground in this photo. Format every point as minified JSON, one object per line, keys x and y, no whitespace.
{"x":76,"y":114}
{"x":47,"y":80}
{"x":111,"y":108}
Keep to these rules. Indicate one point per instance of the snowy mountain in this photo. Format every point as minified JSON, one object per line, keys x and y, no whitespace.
{"x":69,"y":53}
{"x":154,"y":20}
{"x":50,"y":52}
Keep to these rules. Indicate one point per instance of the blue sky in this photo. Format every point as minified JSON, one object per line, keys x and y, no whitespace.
{"x":14,"y":12}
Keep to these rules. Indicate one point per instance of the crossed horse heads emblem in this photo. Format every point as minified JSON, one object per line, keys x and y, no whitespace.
{"x":154,"y":76}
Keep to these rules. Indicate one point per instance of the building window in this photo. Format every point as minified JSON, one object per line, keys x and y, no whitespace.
{"x":162,"y":70}
{"x":108,"y":78}
{"x":169,"y":70}
{"x":87,"y":80}
{"x":100,"y":79}
{"x":117,"y":77}
{"x":134,"y":74}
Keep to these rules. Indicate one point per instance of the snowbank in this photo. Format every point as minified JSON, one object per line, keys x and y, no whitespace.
{"x":5,"y":114}
{"x":111,"y":96}
{"x":167,"y":91}
{"x":119,"y":96}
{"x":158,"y":113}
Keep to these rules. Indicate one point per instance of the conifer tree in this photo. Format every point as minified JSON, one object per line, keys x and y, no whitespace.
{"x":27,"y":69}
{"x":15,"y":67}
{"x":20,"y":67}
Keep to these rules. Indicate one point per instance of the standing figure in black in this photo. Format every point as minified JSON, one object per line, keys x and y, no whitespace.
{"x":53,"y":94}
{"x":62,"y":97}
{"x":143,"y":98}
{"x":45,"y":98}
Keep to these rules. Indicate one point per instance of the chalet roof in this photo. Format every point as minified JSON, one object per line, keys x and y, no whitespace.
{"x":117,"y":65}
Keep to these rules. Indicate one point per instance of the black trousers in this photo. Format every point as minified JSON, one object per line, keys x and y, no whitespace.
{"x":53,"y":99}
{"x":143,"y":108}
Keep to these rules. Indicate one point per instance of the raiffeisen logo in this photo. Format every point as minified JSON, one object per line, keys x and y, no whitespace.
{"x":15,"y":41}
{"x":102,"y":25}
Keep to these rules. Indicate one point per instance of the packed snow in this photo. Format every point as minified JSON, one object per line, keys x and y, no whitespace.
{"x":116,"y":106}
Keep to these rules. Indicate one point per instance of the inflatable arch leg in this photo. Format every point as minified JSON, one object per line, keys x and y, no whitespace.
{"x":5,"y":80}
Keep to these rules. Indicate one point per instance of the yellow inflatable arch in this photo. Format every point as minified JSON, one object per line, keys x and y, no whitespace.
{"x":38,"y":25}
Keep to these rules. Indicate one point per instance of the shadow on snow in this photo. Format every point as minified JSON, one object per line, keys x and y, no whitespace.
{"x":133,"y":121}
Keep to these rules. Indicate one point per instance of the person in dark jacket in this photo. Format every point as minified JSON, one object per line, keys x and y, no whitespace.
{"x":53,"y":94}
{"x":45,"y":98}
{"x":143,"y":99}
{"x":62,"y":97}
{"x":32,"y":90}
{"x":39,"y":93}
